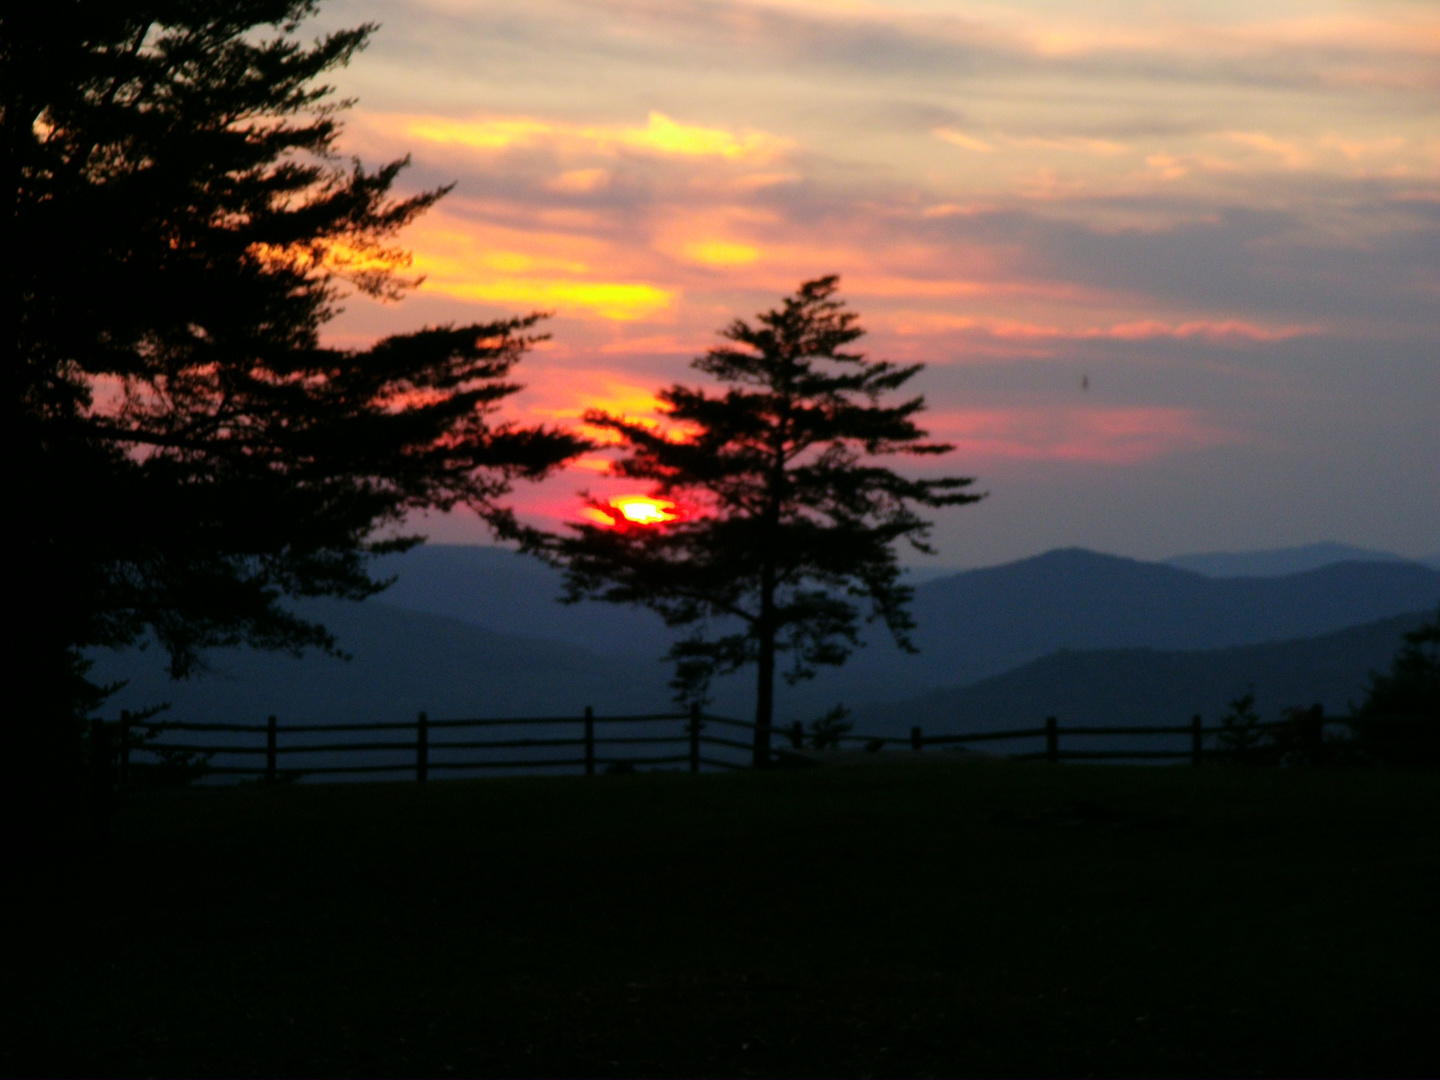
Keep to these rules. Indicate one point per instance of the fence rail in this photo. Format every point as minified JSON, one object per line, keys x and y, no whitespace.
{"x":142,"y":740}
{"x":114,"y":744}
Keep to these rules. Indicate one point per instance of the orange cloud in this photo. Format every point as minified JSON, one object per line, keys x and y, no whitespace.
{"x":530,"y":268}
{"x":1071,"y":144}
{"x":563,"y":396}
{"x":500,"y":133}
{"x":619,"y":301}
{"x":722,"y":253}
{"x":580,"y":181}
{"x":659,"y":135}
{"x":662,"y":135}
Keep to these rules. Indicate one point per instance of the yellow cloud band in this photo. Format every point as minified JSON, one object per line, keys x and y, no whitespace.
{"x":660,"y":135}
{"x":619,"y":301}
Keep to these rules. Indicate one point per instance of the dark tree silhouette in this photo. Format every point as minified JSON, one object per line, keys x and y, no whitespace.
{"x":1399,"y":720}
{"x":186,"y":452}
{"x":1241,"y":737}
{"x":785,"y":518}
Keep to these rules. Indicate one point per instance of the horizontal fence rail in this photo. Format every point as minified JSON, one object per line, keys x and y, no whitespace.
{"x":133,"y":744}
{"x":594,"y":742}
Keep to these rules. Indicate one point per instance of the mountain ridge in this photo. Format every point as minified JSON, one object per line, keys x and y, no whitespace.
{"x":1276,"y":562}
{"x":403,"y":662}
{"x":520,"y":654}
{"x":984,"y":622}
{"x":1139,"y":686}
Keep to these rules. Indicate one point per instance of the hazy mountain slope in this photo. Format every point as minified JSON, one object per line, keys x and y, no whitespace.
{"x":515,"y":594}
{"x":1277,"y":561}
{"x":1145,"y":686}
{"x":984,"y":622}
{"x":517,"y":653}
{"x":971,"y":625}
{"x":404,"y":661}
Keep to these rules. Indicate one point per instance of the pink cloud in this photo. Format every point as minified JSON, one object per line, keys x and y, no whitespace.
{"x":1200,"y":328}
{"x":1220,"y":331}
{"x":1123,"y":435}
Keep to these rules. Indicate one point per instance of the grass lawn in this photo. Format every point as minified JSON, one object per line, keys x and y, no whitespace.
{"x":905,"y":919}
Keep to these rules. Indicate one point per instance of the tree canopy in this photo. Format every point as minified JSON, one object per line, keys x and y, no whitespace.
{"x":1399,"y":720}
{"x":189,"y":451}
{"x":784,"y":519}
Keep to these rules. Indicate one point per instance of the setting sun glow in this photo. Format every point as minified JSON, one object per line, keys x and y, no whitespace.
{"x":644,"y":511}
{"x":635,"y":509}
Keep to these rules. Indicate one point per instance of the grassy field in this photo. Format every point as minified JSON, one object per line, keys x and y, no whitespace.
{"x":891,"y":920}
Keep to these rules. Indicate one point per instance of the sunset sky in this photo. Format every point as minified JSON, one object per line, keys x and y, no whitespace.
{"x":1226,"y":216}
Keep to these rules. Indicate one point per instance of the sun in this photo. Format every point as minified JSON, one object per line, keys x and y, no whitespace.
{"x":643,"y":510}
{"x":632,"y":510}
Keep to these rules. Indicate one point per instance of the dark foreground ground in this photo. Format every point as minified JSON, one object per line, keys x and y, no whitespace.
{"x":888,"y":920}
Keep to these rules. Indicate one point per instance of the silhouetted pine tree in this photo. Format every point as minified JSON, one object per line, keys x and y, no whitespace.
{"x":786,"y":518}
{"x":184,"y":451}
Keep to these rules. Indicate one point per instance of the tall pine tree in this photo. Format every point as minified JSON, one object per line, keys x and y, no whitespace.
{"x":784,"y":515}
{"x":185,"y":450}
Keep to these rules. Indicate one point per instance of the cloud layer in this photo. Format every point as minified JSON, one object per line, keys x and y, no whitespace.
{"x":1224,"y":225}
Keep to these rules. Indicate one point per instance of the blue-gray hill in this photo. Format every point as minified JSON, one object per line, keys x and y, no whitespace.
{"x":1118,"y":687}
{"x":477,"y":630}
{"x":984,"y":622}
{"x":514,"y":594}
{"x":403,"y":662}
{"x":1277,"y":561}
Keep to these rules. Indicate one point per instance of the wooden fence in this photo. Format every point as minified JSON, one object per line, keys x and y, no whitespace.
{"x":590,"y":750}
{"x":1309,"y":726}
{"x":114,"y":744}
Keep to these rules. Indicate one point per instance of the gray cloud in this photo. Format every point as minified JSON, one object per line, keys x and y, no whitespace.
{"x":843,"y":41}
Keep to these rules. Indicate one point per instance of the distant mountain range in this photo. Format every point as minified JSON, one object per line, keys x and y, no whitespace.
{"x":476,"y":630}
{"x":1118,"y":687}
{"x":496,"y":588}
{"x":402,"y":662}
{"x":986,"y":622}
{"x":1290,"y":560}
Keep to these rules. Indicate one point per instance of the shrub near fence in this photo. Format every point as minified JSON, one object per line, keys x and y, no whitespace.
{"x":442,"y":746}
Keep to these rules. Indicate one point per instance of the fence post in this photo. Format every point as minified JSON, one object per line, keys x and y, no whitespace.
{"x":695,"y":737}
{"x":916,"y":740}
{"x":589,"y":741}
{"x":1197,"y":740}
{"x":270,"y":750}
{"x":797,"y":736}
{"x":124,"y":747}
{"x":1052,"y":740}
{"x":422,"y":748}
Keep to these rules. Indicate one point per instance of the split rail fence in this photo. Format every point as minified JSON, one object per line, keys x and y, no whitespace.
{"x":430,"y":746}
